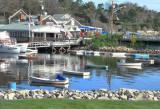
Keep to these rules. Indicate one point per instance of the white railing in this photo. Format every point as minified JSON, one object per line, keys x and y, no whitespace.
{"x":143,"y":38}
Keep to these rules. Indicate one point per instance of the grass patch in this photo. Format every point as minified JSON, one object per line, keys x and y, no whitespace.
{"x":77,"y":104}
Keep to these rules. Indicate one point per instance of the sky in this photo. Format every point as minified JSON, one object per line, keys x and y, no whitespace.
{"x":151,"y":4}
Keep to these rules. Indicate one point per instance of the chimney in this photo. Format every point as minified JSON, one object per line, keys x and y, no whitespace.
{"x":41,"y":19}
{"x":22,"y":16}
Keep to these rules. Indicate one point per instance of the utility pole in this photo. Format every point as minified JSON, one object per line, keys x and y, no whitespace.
{"x":112,"y":19}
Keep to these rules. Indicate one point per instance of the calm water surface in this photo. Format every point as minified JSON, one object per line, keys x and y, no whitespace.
{"x":17,"y":70}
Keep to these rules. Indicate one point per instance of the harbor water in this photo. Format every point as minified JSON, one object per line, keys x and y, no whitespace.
{"x":145,"y":77}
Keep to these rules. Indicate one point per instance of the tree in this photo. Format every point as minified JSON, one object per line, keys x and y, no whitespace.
{"x":133,"y":40}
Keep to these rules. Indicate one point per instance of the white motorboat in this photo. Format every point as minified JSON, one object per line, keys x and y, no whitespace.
{"x":23,"y":46}
{"x":118,"y":54}
{"x":9,"y":49}
{"x":7,"y":45}
{"x":76,"y":73}
{"x":145,"y":61}
{"x":123,"y":63}
{"x":48,"y":81}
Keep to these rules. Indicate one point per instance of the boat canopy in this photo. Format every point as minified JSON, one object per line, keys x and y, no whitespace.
{"x":4,"y":35}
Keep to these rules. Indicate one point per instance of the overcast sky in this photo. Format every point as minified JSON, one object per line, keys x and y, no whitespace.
{"x":151,"y":4}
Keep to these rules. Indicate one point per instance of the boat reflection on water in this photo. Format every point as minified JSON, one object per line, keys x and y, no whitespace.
{"x":126,"y":68}
{"x":76,"y":76}
{"x":50,"y":85}
{"x":9,"y":56}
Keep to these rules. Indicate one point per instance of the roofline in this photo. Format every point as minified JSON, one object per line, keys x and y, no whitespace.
{"x":51,"y":17}
{"x":16,"y":13}
{"x":73,"y":19}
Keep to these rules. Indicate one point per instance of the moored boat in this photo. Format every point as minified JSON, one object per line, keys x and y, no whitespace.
{"x":23,"y":47}
{"x":97,"y":66}
{"x":7,"y":45}
{"x":123,"y":63}
{"x":150,"y":61}
{"x":76,"y":73}
{"x":141,"y":56}
{"x":118,"y":54}
{"x":28,"y":57}
{"x":49,"y":81}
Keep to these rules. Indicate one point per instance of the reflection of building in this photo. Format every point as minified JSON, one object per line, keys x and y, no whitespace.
{"x":53,"y":64}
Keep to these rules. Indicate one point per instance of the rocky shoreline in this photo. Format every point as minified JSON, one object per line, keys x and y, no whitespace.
{"x":124,"y":49}
{"x":101,"y":94}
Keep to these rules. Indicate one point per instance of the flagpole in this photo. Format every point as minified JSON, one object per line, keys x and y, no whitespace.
{"x":29,"y":25}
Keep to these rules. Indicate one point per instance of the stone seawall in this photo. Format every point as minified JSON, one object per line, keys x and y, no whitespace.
{"x":121,"y":94}
{"x":124,"y":49}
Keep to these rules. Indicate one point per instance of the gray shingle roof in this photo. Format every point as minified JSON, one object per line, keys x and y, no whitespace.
{"x":23,"y":26}
{"x":58,"y":17}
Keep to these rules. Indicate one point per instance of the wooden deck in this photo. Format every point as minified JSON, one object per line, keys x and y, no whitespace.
{"x":47,"y":44}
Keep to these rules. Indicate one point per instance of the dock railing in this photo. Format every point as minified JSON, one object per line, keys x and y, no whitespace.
{"x":142,"y":38}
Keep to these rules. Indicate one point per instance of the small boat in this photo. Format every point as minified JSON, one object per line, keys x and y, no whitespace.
{"x":118,"y":54}
{"x":29,"y":57}
{"x":23,"y":47}
{"x":145,"y":60}
{"x":123,"y":63}
{"x":7,"y":45}
{"x":96,"y":53}
{"x":58,"y":80}
{"x":97,"y":66}
{"x":30,"y":50}
{"x":141,"y":56}
{"x":76,"y":73}
{"x":80,"y":52}
{"x":131,"y":67}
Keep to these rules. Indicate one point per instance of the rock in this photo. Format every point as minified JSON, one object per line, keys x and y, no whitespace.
{"x":123,"y":97}
{"x":31,"y":93}
{"x":103,"y":98}
{"x":110,"y":95}
{"x":39,"y":96}
{"x":6,"y":97}
{"x":139,"y":96}
{"x":103,"y":90}
{"x":46,"y":96}
{"x":155,"y":99}
{"x":60,"y":96}
{"x":20,"y":97}
{"x":11,"y":96}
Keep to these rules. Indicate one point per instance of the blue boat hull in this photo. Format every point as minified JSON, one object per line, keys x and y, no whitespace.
{"x":141,"y":56}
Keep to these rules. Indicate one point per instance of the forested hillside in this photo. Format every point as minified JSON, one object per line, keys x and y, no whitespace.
{"x":132,"y":17}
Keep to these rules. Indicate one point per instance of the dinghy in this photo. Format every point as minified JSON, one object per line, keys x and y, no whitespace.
{"x":123,"y":63}
{"x":58,"y":80}
{"x":76,"y":73}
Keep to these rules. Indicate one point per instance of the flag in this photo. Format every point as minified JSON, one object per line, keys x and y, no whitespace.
{"x":29,"y":24}
{"x":66,"y":33}
{"x":29,"y":20}
{"x":81,"y":34}
{"x":97,"y":34}
{"x":86,"y":33}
